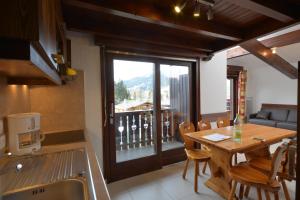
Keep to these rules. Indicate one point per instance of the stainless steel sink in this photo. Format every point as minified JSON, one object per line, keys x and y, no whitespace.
{"x":71,"y":189}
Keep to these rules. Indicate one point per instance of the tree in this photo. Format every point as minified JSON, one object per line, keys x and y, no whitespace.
{"x":121,"y":92}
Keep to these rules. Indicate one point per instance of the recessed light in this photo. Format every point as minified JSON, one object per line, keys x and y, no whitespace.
{"x":197,"y":11}
{"x":177,"y":9}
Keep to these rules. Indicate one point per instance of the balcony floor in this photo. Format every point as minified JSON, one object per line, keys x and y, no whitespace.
{"x":130,"y":154}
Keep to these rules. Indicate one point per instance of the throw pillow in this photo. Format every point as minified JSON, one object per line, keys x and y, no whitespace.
{"x":263,"y":115}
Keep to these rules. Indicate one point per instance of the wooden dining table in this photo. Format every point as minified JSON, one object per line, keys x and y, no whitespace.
{"x":222,"y":151}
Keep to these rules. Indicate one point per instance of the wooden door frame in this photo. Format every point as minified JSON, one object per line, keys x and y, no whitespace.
{"x":233,"y":73}
{"x":105,"y":112}
{"x":297,"y":195}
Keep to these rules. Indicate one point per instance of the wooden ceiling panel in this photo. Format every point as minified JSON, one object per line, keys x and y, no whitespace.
{"x":233,"y":22}
{"x":231,"y":14}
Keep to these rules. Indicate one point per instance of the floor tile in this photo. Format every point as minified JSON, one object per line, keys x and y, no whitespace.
{"x":167,"y":184}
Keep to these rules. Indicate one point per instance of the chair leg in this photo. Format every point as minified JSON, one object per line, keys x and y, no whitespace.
{"x":247,"y":191}
{"x":276,"y":196}
{"x":285,"y":190}
{"x":267,"y":195}
{"x":235,"y":159}
{"x":241,"y":193}
{"x":258,"y":190}
{"x":196,"y":175}
{"x":185,"y":168}
{"x":204,"y":167}
{"x":232,"y":192}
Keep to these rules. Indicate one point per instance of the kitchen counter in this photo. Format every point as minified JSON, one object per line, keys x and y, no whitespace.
{"x":52,"y":164}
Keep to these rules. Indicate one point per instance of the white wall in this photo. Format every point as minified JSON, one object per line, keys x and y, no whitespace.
{"x":86,"y":56}
{"x":267,"y":85}
{"x":213,"y":76}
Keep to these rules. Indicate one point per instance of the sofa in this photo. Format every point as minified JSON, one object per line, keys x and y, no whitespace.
{"x":276,"y":115}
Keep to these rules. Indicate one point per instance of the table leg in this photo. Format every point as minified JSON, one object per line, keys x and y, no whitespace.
{"x":220,"y":164}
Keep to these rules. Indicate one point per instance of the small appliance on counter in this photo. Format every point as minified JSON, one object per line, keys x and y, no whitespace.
{"x":24,"y":136}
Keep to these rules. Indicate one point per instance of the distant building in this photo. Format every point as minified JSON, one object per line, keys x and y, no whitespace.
{"x":133,"y":106}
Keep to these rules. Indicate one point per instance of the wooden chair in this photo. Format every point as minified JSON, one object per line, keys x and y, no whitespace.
{"x":287,"y":171}
{"x":251,"y":177}
{"x":223,"y":122}
{"x":202,"y":126}
{"x":197,"y":155}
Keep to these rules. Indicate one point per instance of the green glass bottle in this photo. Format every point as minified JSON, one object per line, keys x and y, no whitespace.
{"x":237,"y":131}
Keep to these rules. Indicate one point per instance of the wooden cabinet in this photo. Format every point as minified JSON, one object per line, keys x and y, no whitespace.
{"x":30,"y":35}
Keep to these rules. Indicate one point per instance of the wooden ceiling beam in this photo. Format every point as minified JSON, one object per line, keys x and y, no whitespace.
{"x":279,"y":10}
{"x":138,"y":36}
{"x":147,"y":48}
{"x":283,"y":40}
{"x":147,"y":13}
{"x":265,"y":54}
{"x":278,"y":41}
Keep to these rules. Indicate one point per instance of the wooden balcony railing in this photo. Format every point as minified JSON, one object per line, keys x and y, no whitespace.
{"x":135,"y":129}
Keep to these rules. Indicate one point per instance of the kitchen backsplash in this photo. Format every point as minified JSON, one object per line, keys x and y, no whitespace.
{"x":61,"y":107}
{"x":13,"y":98}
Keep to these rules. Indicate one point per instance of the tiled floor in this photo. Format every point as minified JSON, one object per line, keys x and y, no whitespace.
{"x":167,"y":184}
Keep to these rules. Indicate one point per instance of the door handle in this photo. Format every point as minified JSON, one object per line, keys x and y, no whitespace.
{"x":111,"y":114}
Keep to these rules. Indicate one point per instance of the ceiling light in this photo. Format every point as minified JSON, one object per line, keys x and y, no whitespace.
{"x":197,"y":11}
{"x":265,"y":53}
{"x":210,"y":13}
{"x":274,"y":50}
{"x":178,"y":8}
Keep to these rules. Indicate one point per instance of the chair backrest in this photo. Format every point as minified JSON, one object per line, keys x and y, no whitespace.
{"x":223,"y":122}
{"x":276,"y":160}
{"x":184,"y":128}
{"x":204,"y":125}
{"x":290,"y":163}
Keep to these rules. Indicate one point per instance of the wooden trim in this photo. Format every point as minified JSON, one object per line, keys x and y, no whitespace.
{"x":214,"y":116}
{"x":198,"y":92}
{"x":278,"y":106}
{"x":297,"y":195}
{"x":173,"y":156}
{"x":106,"y":151}
{"x":233,"y":73}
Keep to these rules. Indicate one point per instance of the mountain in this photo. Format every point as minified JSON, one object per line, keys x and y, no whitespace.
{"x":145,"y":82}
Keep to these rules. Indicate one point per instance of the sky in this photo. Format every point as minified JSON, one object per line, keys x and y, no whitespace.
{"x":125,"y":70}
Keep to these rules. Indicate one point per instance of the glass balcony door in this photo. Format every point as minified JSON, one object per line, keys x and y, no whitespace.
{"x":175,"y":103}
{"x":133,"y":100}
{"x":147,"y":100}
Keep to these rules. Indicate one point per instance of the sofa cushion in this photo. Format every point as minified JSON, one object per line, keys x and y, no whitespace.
{"x":278,"y":114}
{"x":287,"y":125}
{"x":263,"y":122}
{"x":292,"y":117}
{"x":263,"y":114}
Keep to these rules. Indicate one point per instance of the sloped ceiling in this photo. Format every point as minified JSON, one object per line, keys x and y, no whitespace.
{"x":290,"y":53}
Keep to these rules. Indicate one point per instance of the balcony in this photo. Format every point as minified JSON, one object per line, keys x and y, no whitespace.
{"x":136,"y":135}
